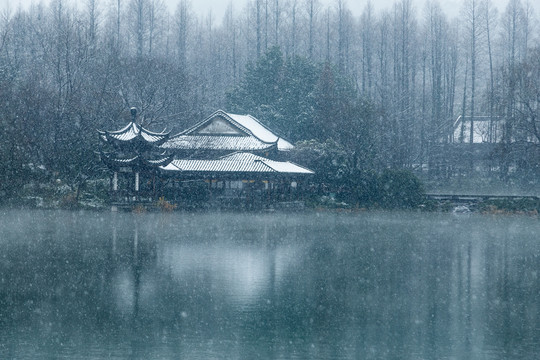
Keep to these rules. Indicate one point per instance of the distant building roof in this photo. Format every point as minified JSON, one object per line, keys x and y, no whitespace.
{"x":239,"y":162}
{"x":485,"y":129}
{"x":232,"y":132}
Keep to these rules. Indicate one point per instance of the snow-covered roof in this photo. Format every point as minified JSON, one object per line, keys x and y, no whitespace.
{"x":137,"y":161}
{"x":284,"y":145}
{"x":483,"y":127}
{"x":132,"y":131}
{"x":255,"y":127}
{"x":224,"y":131}
{"x":216,"y":142}
{"x":240,"y":162}
{"x":286,"y":167}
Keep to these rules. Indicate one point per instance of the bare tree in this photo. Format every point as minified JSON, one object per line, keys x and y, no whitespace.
{"x":231,"y":46}
{"x":473,"y":15}
{"x":156,"y":12}
{"x":258,"y":26}
{"x":404,"y":76}
{"x":138,"y":12}
{"x":342,"y":34}
{"x":312,"y":9}
{"x":277,"y":19}
{"x":294,"y":6}
{"x":511,"y":30}
{"x":368,"y":42}
{"x":490,"y":18}
{"x":93,"y":13}
{"x":182,"y":30}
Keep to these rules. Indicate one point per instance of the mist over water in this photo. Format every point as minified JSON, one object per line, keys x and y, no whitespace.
{"x":271,"y":286}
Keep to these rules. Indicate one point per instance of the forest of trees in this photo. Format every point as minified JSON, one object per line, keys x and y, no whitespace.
{"x":373,"y":92}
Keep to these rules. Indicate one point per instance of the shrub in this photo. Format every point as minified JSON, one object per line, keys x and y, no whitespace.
{"x":400,"y":189}
{"x":359,"y":188}
{"x":390,"y":189}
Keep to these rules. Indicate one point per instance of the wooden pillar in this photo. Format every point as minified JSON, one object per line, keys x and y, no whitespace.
{"x":137,"y":181}
{"x":154,"y":187}
{"x":114,"y":208}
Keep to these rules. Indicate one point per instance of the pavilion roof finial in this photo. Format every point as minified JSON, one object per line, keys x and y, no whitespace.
{"x":133,"y":114}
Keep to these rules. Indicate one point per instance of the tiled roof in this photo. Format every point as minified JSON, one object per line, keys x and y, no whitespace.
{"x":218,"y":166}
{"x":242,"y":156}
{"x":232,"y":143}
{"x":137,"y":161}
{"x":254,"y":127}
{"x":286,"y":167}
{"x":240,"y":162}
{"x":250,"y":134}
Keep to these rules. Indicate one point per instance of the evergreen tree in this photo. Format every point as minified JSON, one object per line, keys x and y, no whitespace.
{"x":279,"y":92}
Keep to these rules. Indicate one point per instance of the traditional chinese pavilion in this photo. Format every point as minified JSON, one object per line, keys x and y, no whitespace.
{"x":226,"y":159}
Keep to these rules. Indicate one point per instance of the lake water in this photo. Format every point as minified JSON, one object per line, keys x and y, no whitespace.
{"x":82,"y":285}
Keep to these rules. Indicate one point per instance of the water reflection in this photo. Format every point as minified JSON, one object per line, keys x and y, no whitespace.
{"x":271,"y":286}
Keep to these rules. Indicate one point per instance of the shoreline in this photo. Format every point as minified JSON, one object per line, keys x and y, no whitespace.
{"x":522,"y":206}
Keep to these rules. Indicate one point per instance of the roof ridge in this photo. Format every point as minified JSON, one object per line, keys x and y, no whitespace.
{"x":243,"y":128}
{"x":114,"y":132}
{"x":276,"y":133}
{"x":258,"y":122}
{"x":239,"y":152}
{"x":154,"y":133}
